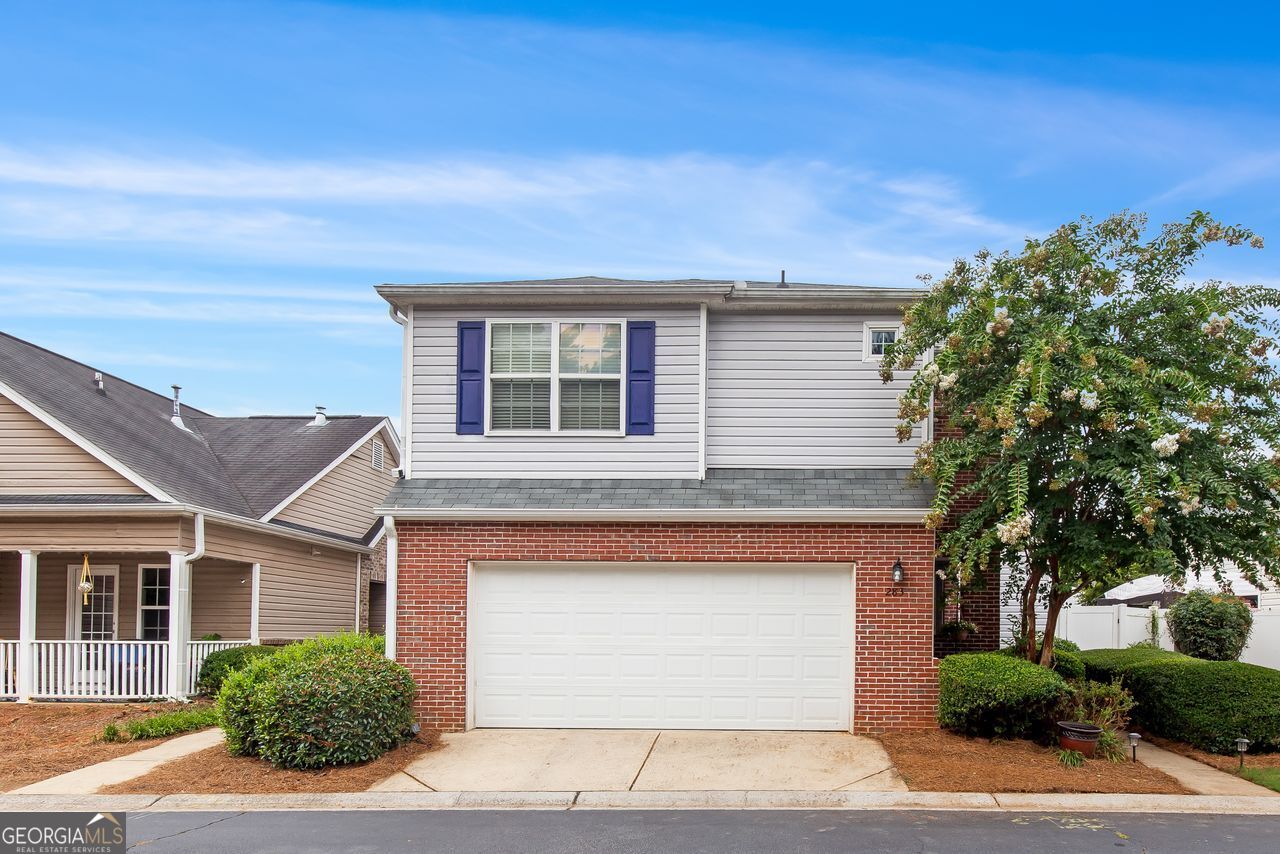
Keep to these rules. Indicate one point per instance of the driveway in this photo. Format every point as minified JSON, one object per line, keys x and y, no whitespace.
{"x":551,"y":760}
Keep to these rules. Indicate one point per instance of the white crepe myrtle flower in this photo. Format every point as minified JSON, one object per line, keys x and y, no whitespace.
{"x":1068,"y":394}
{"x":948,"y":381}
{"x":1166,"y":445}
{"x":1189,"y":505}
{"x":1089,"y":400}
{"x":1014,"y":531}
{"x":930,"y":373}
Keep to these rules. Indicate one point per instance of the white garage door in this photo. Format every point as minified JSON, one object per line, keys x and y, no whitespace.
{"x":675,"y":646}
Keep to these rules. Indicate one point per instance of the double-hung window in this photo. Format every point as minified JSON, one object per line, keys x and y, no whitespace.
{"x":556,"y":376}
{"x":153,"y":603}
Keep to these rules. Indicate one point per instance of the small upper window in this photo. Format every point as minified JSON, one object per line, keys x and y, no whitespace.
{"x":878,"y":339}
{"x":379,"y":455}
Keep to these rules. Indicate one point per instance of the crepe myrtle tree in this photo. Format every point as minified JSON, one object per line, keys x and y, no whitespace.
{"x":1112,"y":418}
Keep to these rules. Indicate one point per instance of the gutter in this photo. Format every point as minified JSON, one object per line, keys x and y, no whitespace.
{"x":181,"y":510}
{"x":851,"y":514}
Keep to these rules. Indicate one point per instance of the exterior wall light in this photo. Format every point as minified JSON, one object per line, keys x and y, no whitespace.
{"x":898,"y":575}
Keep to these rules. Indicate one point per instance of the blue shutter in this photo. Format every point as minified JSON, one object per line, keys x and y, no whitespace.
{"x":641,"y":336}
{"x":470,"y":406}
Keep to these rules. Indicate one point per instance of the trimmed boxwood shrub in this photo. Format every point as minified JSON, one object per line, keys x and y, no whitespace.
{"x":991,"y":694}
{"x":1208,"y":704}
{"x":1066,"y":663}
{"x":1210,"y":625}
{"x":218,"y":664}
{"x":326,"y":701}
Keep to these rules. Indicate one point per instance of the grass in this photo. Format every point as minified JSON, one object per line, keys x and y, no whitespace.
{"x":163,"y":725}
{"x":1269,"y":777}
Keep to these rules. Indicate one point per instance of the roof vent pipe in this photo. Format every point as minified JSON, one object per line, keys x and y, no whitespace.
{"x":320,"y":420}
{"x":176,"y":418}
{"x":782,"y":281}
{"x":97,"y":381}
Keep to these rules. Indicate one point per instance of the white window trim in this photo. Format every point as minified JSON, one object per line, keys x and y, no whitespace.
{"x":554,"y":378}
{"x":867,"y":328}
{"x":75,"y":601}
{"x":137,"y":624}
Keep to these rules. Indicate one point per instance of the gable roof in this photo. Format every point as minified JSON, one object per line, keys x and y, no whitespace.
{"x":241,"y":466}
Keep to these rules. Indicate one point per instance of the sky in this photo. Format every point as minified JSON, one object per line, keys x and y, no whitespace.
{"x":205,"y":194}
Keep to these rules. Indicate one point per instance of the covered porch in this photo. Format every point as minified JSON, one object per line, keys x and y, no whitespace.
{"x":134,"y":629}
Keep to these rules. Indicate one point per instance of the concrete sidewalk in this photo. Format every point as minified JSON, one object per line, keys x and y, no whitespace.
{"x":388,"y":801}
{"x":1198,"y":777}
{"x":86,"y":781}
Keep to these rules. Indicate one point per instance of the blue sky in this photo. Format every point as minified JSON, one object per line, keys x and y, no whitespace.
{"x":206,"y":193}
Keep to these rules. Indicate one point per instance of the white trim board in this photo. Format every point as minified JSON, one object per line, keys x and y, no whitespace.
{"x":85,"y":445}
{"x":867,"y":515}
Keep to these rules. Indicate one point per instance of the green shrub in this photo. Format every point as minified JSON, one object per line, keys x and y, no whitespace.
{"x":325,"y":701}
{"x":990,"y":694}
{"x":1019,"y":647}
{"x":172,"y":723}
{"x":1067,"y":664}
{"x":111,"y":733}
{"x":1207,"y":625}
{"x":1208,"y":704}
{"x":218,"y":664}
{"x":1104,"y":704}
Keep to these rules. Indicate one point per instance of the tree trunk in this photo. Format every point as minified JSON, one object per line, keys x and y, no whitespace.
{"x":1056,"y":600}
{"x":1029,"y":591}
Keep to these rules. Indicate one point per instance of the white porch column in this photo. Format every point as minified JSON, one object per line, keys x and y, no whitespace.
{"x":27,"y":627}
{"x":179,"y":623}
{"x":255,"y":604}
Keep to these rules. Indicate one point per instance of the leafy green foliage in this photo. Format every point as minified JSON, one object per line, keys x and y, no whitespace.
{"x":1067,"y":664}
{"x":218,"y":664}
{"x":989,"y":694}
{"x":952,"y":629}
{"x":1210,"y":625}
{"x":172,"y":723}
{"x":1071,"y":758}
{"x":1208,"y":704}
{"x":1111,"y":419}
{"x":111,"y":733}
{"x":326,"y":701}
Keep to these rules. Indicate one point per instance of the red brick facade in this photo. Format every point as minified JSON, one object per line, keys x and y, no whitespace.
{"x":895,"y":673}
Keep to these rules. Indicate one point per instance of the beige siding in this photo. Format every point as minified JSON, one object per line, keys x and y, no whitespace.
{"x":37,"y":460}
{"x":343,"y":500}
{"x":301,"y":593}
{"x":221,"y":599}
{"x":97,"y":534}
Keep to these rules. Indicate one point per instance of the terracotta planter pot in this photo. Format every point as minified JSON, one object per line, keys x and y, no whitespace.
{"x":962,"y":635}
{"x":1081,"y":737}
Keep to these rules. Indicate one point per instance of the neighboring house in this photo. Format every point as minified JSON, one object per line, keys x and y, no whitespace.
{"x":674,"y":504}
{"x":251,"y":529}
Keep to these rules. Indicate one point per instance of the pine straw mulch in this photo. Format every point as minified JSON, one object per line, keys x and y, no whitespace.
{"x":42,"y":740}
{"x":214,"y":771}
{"x":939,"y":761}
{"x":1230,"y":764}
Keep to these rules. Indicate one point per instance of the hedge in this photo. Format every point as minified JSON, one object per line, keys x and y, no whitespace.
{"x":1208,"y":704}
{"x":218,"y":664}
{"x":326,"y":701}
{"x":992,"y":694}
{"x":1210,"y":625}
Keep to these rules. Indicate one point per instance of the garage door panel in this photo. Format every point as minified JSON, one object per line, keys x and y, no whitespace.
{"x":751,"y":647}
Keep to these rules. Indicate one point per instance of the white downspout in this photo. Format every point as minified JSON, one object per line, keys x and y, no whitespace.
{"x":393,"y":583}
{"x":180,"y":612}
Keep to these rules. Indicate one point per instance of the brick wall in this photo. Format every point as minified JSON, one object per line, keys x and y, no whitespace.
{"x":895,"y":679}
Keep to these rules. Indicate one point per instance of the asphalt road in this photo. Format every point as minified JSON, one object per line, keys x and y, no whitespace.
{"x":737,"y":831}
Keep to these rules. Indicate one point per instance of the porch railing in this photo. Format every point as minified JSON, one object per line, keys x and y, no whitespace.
{"x":101,"y":670}
{"x":198,"y":651}
{"x":8,"y":669}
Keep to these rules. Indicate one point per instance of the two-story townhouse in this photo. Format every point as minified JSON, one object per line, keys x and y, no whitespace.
{"x":658,"y":504}
{"x":138,"y":533}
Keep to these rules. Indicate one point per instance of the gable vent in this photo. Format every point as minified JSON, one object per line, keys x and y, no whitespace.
{"x":379,"y":455}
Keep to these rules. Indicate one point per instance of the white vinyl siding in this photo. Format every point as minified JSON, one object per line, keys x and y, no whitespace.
{"x":439,"y":452}
{"x":794,"y":391}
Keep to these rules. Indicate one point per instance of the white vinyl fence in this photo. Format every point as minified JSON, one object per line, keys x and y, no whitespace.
{"x":1118,"y":626}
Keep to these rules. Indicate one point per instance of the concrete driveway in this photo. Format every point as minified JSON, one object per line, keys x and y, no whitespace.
{"x":551,"y":760}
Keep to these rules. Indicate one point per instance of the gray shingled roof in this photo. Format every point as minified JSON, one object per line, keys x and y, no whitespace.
{"x":242,"y":466}
{"x":724,"y":489}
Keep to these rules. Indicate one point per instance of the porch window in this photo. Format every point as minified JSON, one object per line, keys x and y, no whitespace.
{"x":153,"y":603}
{"x":98,"y":617}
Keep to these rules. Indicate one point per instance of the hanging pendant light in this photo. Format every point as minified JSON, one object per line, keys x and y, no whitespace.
{"x":86,"y":580}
